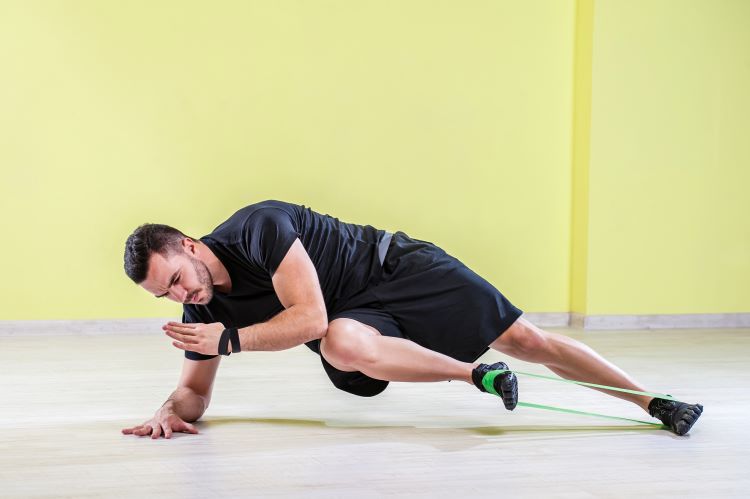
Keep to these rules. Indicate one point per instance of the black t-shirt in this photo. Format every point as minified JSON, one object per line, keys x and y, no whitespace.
{"x":252,"y":243}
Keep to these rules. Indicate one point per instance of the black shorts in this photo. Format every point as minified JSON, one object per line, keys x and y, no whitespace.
{"x":427,"y":296}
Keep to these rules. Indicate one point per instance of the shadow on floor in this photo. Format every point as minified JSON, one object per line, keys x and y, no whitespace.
{"x":478,"y":430}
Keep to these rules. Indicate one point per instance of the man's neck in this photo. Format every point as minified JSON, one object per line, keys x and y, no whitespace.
{"x":219,"y":274}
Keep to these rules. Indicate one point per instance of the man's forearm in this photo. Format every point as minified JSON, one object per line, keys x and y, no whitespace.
{"x":187,"y":404}
{"x":294,"y":326}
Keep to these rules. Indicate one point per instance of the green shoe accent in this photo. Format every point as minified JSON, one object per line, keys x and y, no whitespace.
{"x":488,"y":381}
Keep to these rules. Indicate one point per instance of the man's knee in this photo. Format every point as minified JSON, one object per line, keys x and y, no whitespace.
{"x":523,"y":340}
{"x":346,"y":344}
{"x":345,"y":350}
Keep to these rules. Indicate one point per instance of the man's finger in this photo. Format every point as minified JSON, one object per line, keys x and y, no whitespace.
{"x":157,"y":431}
{"x":191,"y":325}
{"x":188,"y":428}
{"x":179,"y":329}
{"x":181,"y":337}
{"x":179,"y":345}
{"x":143,"y":430}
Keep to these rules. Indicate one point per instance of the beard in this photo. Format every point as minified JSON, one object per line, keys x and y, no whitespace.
{"x":204,"y":278}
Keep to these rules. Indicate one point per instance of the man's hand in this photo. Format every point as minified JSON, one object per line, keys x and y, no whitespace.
{"x":165,"y":421}
{"x":196,"y":337}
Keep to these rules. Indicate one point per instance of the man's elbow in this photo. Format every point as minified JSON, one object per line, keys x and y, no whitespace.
{"x":206,"y":402}
{"x":321,"y":328}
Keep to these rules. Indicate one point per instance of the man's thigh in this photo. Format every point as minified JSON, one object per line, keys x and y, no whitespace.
{"x":348,"y":330}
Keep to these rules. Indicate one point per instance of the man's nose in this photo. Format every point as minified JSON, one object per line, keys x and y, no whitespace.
{"x":182,"y":295}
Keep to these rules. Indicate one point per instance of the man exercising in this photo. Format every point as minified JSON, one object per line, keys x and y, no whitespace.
{"x":376,"y":307}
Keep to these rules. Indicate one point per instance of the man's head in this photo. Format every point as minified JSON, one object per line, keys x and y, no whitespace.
{"x":166,"y":262}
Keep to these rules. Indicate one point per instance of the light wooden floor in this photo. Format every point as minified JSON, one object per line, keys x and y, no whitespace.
{"x":65,"y":399}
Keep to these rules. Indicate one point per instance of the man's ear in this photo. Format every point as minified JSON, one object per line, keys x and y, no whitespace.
{"x":189,"y":245}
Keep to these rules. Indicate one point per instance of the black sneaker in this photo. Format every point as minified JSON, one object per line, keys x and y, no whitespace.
{"x":678,"y":416}
{"x":506,"y":384}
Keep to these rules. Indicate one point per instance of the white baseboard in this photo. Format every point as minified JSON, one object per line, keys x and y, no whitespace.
{"x":549,"y":319}
{"x":553,"y":319}
{"x":675,"y":321}
{"x":83,"y":327}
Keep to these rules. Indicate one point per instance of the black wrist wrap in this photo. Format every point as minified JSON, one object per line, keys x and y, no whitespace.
{"x":229,"y":334}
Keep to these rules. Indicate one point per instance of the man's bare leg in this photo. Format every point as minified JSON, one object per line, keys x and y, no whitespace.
{"x":572,"y":359}
{"x":352,"y":346}
{"x":568,"y":358}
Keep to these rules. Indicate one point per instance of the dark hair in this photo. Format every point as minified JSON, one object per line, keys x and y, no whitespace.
{"x":148,"y":239}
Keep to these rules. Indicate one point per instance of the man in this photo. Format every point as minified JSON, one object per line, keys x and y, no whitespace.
{"x":376,"y":306}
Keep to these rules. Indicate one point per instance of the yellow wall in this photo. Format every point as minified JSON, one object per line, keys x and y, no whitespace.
{"x":581,"y":146}
{"x":670,"y":158}
{"x":582,"y":155}
{"x":449,"y":120}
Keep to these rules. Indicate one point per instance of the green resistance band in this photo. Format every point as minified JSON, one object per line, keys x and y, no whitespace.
{"x":488,"y":381}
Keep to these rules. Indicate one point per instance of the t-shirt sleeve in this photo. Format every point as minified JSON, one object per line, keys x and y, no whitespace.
{"x":186,"y":319}
{"x":269,"y":236}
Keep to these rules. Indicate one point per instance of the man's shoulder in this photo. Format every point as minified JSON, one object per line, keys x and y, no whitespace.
{"x":270,"y":203}
{"x":267,"y":207}
{"x":253,"y":213}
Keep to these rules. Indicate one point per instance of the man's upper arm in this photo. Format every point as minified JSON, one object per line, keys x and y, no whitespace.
{"x":296,"y":281}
